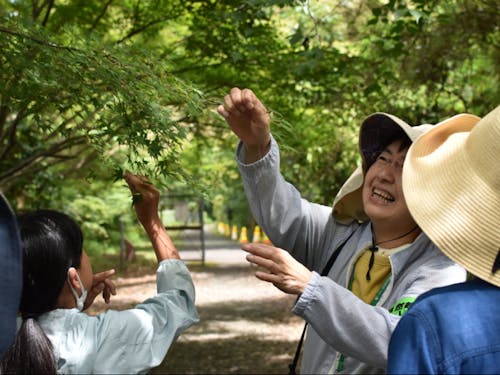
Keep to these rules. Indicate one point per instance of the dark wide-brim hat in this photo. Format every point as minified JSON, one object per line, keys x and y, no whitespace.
{"x":374,"y":132}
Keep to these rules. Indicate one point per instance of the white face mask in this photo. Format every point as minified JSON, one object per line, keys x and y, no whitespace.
{"x":79,"y":300}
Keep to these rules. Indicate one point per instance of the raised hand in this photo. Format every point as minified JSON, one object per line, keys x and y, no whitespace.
{"x":248,"y":118}
{"x":146,"y":198}
{"x":146,"y":201}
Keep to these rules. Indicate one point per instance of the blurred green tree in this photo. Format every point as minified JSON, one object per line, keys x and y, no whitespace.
{"x":88,"y":88}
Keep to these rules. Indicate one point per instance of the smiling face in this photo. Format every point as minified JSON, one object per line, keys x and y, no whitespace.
{"x":383,"y":198}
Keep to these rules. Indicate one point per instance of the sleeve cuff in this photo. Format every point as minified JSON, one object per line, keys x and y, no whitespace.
{"x":173,"y":274}
{"x":241,"y":154}
{"x":308,"y":296}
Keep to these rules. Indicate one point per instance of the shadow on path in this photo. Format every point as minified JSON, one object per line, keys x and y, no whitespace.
{"x":254,"y":337}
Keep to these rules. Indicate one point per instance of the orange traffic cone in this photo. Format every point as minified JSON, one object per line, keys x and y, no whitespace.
{"x":243,"y":238}
{"x":256,"y":234}
{"x":265,"y":239}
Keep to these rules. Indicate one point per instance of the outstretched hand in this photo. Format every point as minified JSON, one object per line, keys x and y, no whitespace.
{"x":247,"y":117}
{"x":284,"y":272}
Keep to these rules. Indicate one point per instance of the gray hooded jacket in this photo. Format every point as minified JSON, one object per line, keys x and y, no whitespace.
{"x":339,"y":322}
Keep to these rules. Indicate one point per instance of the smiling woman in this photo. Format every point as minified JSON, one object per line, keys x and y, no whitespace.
{"x":352,"y":306}
{"x":383,"y":198}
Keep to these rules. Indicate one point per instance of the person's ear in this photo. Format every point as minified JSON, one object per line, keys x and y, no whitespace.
{"x":73,"y":279}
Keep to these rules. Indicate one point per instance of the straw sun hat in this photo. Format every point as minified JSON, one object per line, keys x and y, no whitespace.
{"x":451,"y":183}
{"x":374,"y":134}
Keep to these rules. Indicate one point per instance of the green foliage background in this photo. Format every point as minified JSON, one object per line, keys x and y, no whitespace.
{"x":90,"y":88}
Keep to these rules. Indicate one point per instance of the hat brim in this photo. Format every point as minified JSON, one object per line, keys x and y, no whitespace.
{"x":450,"y":201}
{"x":348,"y":204}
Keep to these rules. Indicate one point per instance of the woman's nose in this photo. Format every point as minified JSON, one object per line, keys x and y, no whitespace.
{"x":388,"y":172}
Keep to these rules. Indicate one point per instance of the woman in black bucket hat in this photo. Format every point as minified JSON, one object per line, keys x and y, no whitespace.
{"x":383,"y":261}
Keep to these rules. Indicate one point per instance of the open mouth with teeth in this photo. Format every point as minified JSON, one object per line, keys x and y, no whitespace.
{"x":382,"y":195}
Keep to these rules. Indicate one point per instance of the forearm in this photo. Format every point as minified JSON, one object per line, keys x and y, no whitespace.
{"x":162,"y":243}
{"x":342,"y":320}
{"x":272,"y":201}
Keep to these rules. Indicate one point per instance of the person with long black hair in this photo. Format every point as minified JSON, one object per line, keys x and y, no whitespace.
{"x":58,"y":284}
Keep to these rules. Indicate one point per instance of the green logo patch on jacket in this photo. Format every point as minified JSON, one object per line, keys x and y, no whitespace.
{"x":402,"y":306}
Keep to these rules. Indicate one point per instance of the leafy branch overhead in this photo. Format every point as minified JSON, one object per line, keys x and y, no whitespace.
{"x":82,"y":80}
{"x":58,"y":101}
{"x":91,"y":87}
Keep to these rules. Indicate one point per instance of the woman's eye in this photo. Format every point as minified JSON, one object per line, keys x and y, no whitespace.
{"x":382,"y":158}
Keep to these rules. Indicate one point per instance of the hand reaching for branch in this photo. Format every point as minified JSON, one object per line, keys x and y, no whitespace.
{"x":249,"y":120}
{"x":146,"y":199}
{"x":146,"y":208}
{"x":284,"y":272}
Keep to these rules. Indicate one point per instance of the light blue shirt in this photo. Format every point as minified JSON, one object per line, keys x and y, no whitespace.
{"x":128,"y":341}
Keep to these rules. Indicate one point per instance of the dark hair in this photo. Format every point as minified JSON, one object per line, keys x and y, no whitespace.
{"x":372,"y":153}
{"x":52,"y":242}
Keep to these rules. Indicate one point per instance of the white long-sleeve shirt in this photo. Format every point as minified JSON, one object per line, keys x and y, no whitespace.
{"x":125,"y":342}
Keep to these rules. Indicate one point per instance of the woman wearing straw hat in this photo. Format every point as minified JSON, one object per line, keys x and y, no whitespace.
{"x":451,"y":182}
{"x":383,"y":261}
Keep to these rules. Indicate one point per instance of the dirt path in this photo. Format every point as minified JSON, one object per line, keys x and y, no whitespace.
{"x":246,"y":326}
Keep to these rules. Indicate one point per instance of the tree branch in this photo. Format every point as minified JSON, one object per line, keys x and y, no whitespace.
{"x":10,"y":135}
{"x":34,"y":169}
{"x":49,"y":152}
{"x":49,"y":8}
{"x":101,"y":15}
{"x":88,"y":159}
{"x":3,"y":118}
{"x":36,"y":40}
{"x":35,"y":10}
{"x":139,"y":30}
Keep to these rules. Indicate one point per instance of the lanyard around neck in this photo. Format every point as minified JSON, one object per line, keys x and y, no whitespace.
{"x":374,"y":302}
